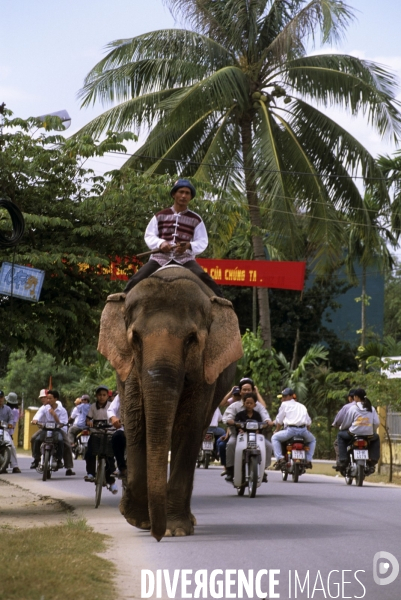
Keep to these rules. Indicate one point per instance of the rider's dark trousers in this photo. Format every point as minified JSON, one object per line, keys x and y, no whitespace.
{"x":119,"y":443}
{"x":344,"y":438}
{"x":152,"y":266}
{"x":90,"y":460}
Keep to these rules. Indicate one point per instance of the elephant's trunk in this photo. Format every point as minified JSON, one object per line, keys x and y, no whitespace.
{"x":162,"y":387}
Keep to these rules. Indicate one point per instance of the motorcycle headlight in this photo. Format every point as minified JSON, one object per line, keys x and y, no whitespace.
{"x":252,"y":425}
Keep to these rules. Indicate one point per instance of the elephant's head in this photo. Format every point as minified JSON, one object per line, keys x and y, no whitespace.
{"x":176,"y":338}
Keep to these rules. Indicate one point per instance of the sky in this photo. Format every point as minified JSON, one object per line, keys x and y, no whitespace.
{"x":47,"y":47}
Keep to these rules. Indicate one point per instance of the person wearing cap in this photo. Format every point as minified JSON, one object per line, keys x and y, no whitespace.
{"x":338,"y":420}
{"x":246,"y":387}
{"x":98,"y":412}
{"x":53,"y":411}
{"x":293,"y":417}
{"x":6,"y":415}
{"x":179,"y":234}
{"x":78,"y":418}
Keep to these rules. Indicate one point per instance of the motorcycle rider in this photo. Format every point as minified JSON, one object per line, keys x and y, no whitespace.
{"x":338,"y":419}
{"x":118,"y":440}
{"x":6,"y":415}
{"x":78,"y":419}
{"x":293,"y":416}
{"x":98,"y":412}
{"x":246,"y":386}
{"x":12,"y":403}
{"x":360,"y":419}
{"x":249,"y":413}
{"x":54,"y":412}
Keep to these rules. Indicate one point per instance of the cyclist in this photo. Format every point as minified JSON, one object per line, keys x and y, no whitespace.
{"x":98,"y":412}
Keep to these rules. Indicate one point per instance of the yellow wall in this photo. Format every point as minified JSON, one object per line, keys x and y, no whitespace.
{"x":29,"y":429}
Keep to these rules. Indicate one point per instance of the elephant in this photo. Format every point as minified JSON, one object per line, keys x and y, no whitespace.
{"x":174,"y":345}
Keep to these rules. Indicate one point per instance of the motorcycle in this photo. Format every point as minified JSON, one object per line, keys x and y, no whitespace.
{"x":250,"y":457}
{"x":48,"y":449}
{"x":82,"y":444}
{"x":5,"y":447}
{"x":358,"y":457}
{"x":295,"y":454}
{"x":207,"y":452}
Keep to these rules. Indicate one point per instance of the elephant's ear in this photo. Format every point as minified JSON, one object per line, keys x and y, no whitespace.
{"x":223,"y":345}
{"x":113,"y":341}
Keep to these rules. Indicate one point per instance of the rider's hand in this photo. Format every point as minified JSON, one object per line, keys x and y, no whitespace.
{"x":182,"y":247}
{"x":115,"y":421}
{"x":166,"y":247}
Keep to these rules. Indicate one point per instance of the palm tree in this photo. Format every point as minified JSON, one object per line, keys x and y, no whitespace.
{"x":296,"y":378}
{"x":236,"y":101}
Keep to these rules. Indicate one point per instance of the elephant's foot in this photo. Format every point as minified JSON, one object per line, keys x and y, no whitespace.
{"x":139,"y":524}
{"x":193,"y":519}
{"x":180,"y":527}
{"x":137,"y":516}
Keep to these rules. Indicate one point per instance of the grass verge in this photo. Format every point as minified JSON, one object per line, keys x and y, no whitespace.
{"x":324,"y":469}
{"x":55,"y":563}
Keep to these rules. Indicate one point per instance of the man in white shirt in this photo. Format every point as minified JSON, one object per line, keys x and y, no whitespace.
{"x":229,"y":419}
{"x":293,"y":416}
{"x":179,"y":234}
{"x":78,"y":419}
{"x":53,"y":411}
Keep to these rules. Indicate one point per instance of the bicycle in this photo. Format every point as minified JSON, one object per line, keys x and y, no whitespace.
{"x":102,"y":448}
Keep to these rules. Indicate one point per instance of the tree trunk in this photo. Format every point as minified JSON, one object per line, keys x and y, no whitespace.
{"x":254,"y":311}
{"x":256,"y":221}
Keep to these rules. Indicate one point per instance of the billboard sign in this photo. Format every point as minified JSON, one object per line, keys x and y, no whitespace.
{"x":21,"y":282}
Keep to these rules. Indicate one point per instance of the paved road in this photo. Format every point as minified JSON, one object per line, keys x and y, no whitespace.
{"x":318,"y":525}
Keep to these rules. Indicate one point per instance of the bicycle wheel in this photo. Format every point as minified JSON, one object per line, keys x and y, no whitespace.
{"x":253,"y":476}
{"x":100,"y":480}
{"x":295,"y":472}
{"x":46,"y":465}
{"x":4,"y":458}
{"x":360,"y":475}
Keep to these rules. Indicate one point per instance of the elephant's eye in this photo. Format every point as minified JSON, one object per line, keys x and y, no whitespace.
{"x":136,"y":339}
{"x":191,"y":339}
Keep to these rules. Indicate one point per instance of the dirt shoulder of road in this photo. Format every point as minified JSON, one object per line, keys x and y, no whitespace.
{"x":20,"y":508}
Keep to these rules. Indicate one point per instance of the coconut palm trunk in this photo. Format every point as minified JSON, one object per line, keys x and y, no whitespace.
{"x":256,"y":222}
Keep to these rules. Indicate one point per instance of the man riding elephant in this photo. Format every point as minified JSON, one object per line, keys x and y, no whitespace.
{"x":179,"y":234}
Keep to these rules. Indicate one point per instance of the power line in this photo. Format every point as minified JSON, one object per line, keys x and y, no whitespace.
{"x":257,"y":169}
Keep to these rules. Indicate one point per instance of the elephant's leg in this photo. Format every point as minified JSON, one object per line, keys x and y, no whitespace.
{"x":134,"y":503}
{"x":186,"y":439}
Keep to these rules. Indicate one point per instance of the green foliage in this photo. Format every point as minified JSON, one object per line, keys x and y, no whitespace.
{"x":258,"y":363}
{"x":27,"y":377}
{"x":296,"y":378}
{"x":44,"y":175}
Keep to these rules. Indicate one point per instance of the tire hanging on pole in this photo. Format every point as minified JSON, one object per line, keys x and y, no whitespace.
{"x":18,"y":222}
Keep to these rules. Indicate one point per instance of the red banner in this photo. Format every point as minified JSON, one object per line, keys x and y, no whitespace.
{"x":256,"y":273}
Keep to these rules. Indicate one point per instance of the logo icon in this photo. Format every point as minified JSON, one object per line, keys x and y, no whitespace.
{"x":381,"y":565}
